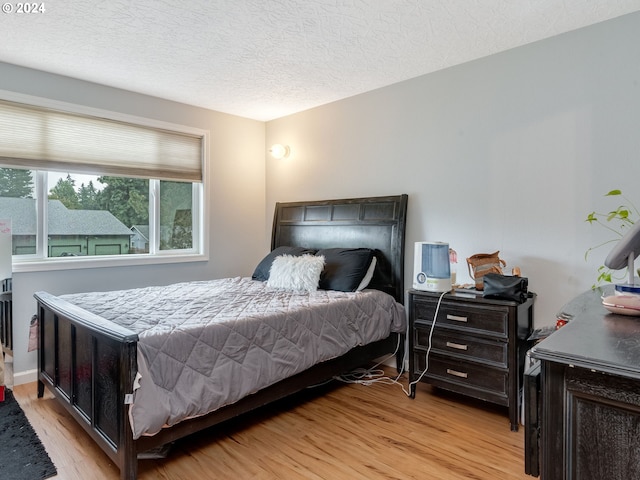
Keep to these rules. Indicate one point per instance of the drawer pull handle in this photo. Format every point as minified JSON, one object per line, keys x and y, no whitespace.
{"x":456,"y":318}
{"x":457,"y":346}
{"x":456,"y":373}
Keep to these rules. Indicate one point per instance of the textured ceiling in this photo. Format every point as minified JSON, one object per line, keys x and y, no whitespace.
{"x":264,"y":59}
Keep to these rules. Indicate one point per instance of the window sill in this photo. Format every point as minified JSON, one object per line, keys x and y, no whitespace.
{"x":76,"y":263}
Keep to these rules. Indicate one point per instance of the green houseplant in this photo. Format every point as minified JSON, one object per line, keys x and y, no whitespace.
{"x":618,"y":222}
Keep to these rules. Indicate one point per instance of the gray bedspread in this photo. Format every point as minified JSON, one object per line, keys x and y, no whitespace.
{"x":207,"y":344}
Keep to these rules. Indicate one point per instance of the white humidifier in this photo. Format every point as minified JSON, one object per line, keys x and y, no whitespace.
{"x":431,"y":269}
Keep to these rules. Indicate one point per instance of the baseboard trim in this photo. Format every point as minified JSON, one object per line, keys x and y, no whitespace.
{"x":29,"y":376}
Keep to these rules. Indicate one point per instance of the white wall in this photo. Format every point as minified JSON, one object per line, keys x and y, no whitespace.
{"x":235,"y":175}
{"x":510,"y":153}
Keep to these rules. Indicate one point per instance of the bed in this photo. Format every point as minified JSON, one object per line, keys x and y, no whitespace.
{"x":95,"y":357}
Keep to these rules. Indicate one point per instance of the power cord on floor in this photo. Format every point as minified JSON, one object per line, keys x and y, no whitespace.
{"x":372,"y":375}
{"x":367,"y":376}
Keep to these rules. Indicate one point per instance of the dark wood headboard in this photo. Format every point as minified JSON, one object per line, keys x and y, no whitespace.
{"x":373,"y":222}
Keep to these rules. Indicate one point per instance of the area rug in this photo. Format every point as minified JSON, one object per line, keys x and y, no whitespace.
{"x":22,"y":455}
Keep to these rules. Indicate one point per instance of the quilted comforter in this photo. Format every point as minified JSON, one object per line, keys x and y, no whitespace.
{"x":206,"y":344}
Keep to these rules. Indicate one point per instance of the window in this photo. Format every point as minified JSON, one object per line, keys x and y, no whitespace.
{"x":81,"y":188}
{"x":97,"y":215}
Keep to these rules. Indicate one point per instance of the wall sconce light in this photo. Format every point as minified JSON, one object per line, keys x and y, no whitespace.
{"x":279,"y":151}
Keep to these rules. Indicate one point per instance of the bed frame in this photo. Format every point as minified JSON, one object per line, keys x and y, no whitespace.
{"x":90,"y":363}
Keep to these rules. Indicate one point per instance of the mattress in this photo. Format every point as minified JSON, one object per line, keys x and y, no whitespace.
{"x":206,"y":344}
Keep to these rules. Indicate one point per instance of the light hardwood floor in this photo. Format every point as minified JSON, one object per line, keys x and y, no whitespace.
{"x":344,"y":432}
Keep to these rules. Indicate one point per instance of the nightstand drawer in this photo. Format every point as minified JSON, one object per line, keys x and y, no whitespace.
{"x":465,"y":377}
{"x":479,"y":318}
{"x":449,"y":342}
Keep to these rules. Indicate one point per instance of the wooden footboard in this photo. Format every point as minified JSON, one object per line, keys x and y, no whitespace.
{"x":90,"y":364}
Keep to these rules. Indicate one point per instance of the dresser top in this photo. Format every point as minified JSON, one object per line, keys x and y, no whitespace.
{"x":594,"y":338}
{"x":475,"y":296}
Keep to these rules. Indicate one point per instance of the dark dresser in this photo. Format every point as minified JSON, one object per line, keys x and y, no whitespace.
{"x":583,"y":389}
{"x":478,"y":345}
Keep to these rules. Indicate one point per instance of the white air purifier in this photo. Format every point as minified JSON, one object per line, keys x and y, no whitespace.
{"x":431,"y":269}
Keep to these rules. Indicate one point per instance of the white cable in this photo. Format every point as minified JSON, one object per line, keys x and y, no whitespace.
{"x":426,"y":356}
{"x":369,"y":376}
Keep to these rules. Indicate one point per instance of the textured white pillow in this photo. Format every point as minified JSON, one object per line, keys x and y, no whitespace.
{"x":299,"y":274}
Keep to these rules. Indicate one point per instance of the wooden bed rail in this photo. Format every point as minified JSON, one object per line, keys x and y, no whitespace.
{"x":89,"y":364}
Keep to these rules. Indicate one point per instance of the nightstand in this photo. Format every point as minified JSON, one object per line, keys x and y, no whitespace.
{"x":478,"y":345}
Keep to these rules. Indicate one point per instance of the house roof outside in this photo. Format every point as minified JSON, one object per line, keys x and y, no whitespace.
{"x":62,"y":221}
{"x":142,"y":230}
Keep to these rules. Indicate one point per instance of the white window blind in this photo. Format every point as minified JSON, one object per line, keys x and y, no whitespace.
{"x":52,"y":139}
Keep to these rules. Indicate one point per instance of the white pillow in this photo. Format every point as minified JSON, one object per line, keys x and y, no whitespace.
{"x":368,"y":276}
{"x":299,"y":274}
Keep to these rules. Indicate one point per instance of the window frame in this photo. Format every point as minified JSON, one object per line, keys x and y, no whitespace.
{"x":155,"y":255}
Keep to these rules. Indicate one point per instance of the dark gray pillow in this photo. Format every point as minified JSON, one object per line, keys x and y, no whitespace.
{"x":344,"y":268}
{"x":262,"y":270}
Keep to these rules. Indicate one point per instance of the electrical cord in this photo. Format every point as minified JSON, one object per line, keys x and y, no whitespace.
{"x":426,"y":355}
{"x":372,"y":375}
{"x":366,"y":376}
